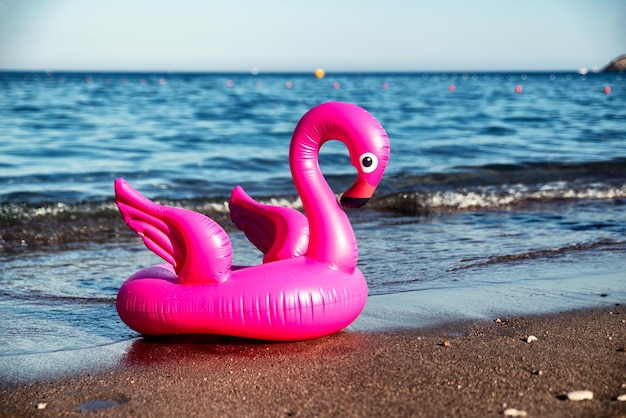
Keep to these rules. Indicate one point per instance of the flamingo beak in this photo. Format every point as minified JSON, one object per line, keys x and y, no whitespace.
{"x":357,"y":195}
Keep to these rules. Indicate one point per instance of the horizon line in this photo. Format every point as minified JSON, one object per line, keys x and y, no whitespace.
{"x":255,"y":72}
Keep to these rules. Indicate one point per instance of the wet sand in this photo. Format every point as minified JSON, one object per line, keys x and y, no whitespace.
{"x":468,"y":369}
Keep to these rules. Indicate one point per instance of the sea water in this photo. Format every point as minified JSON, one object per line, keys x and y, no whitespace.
{"x":505,"y":193}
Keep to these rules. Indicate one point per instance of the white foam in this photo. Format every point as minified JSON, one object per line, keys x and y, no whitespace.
{"x":512,"y":195}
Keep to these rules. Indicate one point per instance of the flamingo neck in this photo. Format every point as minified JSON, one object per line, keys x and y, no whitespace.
{"x":331,"y":239}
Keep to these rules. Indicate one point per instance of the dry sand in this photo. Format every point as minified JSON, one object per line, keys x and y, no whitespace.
{"x":465,"y":369}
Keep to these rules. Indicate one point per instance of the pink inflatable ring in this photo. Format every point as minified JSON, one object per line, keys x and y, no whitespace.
{"x":308,"y":285}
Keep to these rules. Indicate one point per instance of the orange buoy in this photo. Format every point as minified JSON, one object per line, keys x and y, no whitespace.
{"x":320,"y":73}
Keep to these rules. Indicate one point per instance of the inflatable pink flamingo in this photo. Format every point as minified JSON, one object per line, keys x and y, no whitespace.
{"x":308,"y":285}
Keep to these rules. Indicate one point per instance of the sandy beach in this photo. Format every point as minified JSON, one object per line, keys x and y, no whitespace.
{"x":468,"y":369}
{"x":495,"y":204}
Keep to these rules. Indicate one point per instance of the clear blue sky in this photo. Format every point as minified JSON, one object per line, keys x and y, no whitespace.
{"x":296,"y":35}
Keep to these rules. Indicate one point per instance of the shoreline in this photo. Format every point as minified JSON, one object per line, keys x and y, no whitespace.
{"x":462,"y":368}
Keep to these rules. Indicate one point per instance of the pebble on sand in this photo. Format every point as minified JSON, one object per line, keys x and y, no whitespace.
{"x":622,"y":398}
{"x":512,"y":412}
{"x":580,"y":395}
{"x":42,"y":405}
{"x":531,"y":339}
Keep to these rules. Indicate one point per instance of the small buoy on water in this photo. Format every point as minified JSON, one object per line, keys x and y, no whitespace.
{"x":518,"y":89}
{"x":451,"y":88}
{"x":385,"y":86}
{"x":607,"y":90}
{"x":289,"y":84}
{"x":336,"y":85}
{"x":320,"y":73}
{"x":230,"y":83}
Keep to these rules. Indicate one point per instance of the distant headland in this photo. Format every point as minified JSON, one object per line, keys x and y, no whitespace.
{"x":618,"y":65}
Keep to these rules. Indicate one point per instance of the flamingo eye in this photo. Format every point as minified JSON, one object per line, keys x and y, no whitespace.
{"x":369,"y":162}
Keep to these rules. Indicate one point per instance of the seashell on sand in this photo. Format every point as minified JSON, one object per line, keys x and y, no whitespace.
{"x":621,"y":398}
{"x":580,"y":395}
{"x":512,"y":412}
{"x":531,"y":339}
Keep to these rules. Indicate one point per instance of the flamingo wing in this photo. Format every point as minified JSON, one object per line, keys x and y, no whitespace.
{"x":278,"y":232}
{"x":197,"y":247}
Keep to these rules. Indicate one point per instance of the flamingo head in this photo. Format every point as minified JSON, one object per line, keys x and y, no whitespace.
{"x":364,"y":137}
{"x":369,"y":154}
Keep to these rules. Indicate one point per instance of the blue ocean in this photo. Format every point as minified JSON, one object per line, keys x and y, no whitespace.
{"x":505,"y":193}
